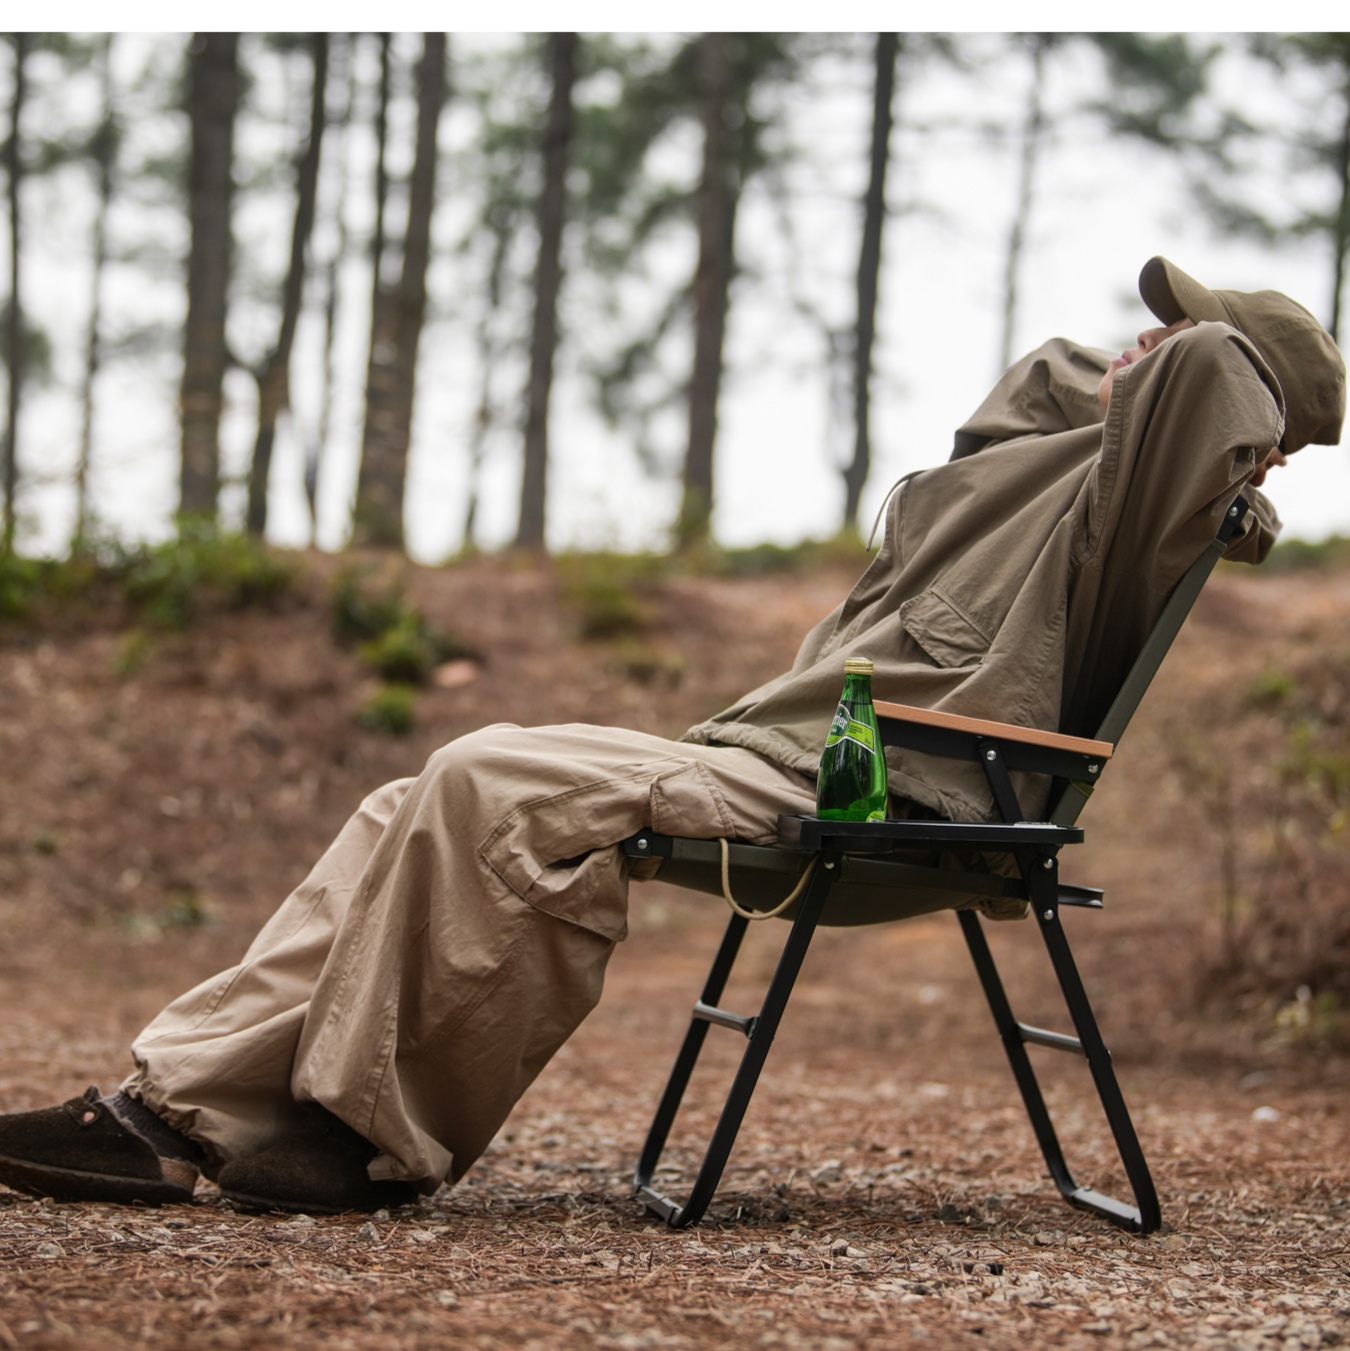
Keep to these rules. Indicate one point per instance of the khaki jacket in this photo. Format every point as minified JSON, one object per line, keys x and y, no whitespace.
{"x":1019,"y":581}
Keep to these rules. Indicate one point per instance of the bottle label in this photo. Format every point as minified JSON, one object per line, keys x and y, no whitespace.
{"x":845,"y":728}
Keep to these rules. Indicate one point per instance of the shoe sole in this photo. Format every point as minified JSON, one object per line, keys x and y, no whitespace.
{"x":251,"y":1201}
{"x":247,"y":1201}
{"x":71,"y":1184}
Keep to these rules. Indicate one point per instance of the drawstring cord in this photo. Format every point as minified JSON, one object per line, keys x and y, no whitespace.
{"x":760,"y":914}
{"x":886,"y":501}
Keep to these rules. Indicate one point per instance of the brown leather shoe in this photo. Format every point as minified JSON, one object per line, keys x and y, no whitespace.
{"x":321,"y":1170}
{"x":80,"y":1151}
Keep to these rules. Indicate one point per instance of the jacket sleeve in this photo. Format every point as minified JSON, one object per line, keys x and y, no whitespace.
{"x":1180,"y":442}
{"x":1186,"y":429}
{"x":1054,"y":389}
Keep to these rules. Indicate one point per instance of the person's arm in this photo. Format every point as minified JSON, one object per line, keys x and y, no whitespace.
{"x":1053,"y":389}
{"x":1186,"y":429}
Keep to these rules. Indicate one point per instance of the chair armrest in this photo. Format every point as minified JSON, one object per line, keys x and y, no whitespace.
{"x":1074,"y":758}
{"x":995,"y":731}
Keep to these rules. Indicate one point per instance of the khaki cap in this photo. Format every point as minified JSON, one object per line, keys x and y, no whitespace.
{"x":1296,"y":347}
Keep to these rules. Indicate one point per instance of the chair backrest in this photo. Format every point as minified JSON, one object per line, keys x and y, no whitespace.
{"x":1150,"y":658}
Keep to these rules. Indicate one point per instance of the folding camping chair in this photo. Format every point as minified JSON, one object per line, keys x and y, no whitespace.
{"x":866,"y":873}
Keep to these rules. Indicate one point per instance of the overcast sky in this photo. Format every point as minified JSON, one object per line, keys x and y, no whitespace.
{"x":1102,"y":209}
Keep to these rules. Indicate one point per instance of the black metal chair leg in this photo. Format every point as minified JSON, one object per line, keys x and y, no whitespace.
{"x":1145,"y":1216}
{"x":683,"y":1068}
{"x":759,"y":1032}
{"x":1009,"y":1031}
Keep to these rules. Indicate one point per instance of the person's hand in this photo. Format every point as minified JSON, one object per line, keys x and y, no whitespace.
{"x":1274,"y":459}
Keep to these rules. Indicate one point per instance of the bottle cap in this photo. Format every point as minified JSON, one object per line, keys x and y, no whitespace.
{"x":858,"y":666}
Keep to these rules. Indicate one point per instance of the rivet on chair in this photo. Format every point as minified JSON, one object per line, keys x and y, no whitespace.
{"x":1047,"y":915}
{"x":991,"y":755}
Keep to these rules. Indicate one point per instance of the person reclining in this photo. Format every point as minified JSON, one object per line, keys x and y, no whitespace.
{"x":384,"y":1022}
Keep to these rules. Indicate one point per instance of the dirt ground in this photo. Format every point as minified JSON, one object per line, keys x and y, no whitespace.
{"x":886,"y":1190}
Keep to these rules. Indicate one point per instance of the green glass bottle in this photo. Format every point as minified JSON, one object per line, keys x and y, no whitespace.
{"x":852,"y":781}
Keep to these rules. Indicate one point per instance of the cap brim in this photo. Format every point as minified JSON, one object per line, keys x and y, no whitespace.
{"x":1172,"y":295}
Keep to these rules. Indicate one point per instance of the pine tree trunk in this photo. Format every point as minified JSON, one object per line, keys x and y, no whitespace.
{"x":551,"y":215}
{"x":488,"y":351}
{"x":213,"y":99}
{"x":869,"y":270}
{"x":377,"y":240}
{"x":104,"y":150}
{"x":14,"y":319}
{"x":1341,"y":241}
{"x":1032,"y":132}
{"x":393,"y":353}
{"x":715,"y":208}
{"x":274,"y":376}
{"x":317,"y":450}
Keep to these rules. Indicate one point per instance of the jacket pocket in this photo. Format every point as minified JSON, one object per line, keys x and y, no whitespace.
{"x":943,"y":629}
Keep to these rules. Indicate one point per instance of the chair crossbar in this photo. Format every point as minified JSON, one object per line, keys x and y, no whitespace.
{"x":1089,"y":898}
{"x":736,"y":1022}
{"x":1057,"y":1041}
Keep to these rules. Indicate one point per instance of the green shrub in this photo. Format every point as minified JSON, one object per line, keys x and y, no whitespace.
{"x":169,"y":582}
{"x":1292,"y":555}
{"x":1270,"y":688}
{"x":607,"y":607}
{"x":1319,"y":769}
{"x":133,"y":651}
{"x":21,"y":585}
{"x":1310,"y":1019}
{"x":185,"y":910}
{"x":758,"y":560}
{"x":390,"y":710}
{"x":363,"y":608}
{"x":407,"y":652}
{"x":25,"y":583}
{"x":396,"y":640}
{"x":75,"y":576}
{"x":645,"y":664}
{"x":166,"y":583}
{"x":1274,"y":792}
{"x":604,"y":590}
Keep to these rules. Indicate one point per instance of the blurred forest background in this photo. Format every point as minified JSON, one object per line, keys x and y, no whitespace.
{"x":436,"y":293}
{"x":636,"y":330}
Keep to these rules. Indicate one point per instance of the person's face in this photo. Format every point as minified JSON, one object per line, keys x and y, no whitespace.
{"x":1274,"y":458}
{"x":1149,"y":341}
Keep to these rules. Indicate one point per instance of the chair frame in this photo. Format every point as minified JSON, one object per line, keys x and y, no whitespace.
{"x":865,"y":854}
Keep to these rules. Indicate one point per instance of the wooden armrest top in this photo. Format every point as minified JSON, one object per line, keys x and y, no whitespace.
{"x":1003,"y":731}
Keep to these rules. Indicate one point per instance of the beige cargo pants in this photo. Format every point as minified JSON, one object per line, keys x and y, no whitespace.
{"x":450,"y":940}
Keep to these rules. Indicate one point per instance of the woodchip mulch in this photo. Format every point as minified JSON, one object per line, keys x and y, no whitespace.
{"x":886,"y":1192}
